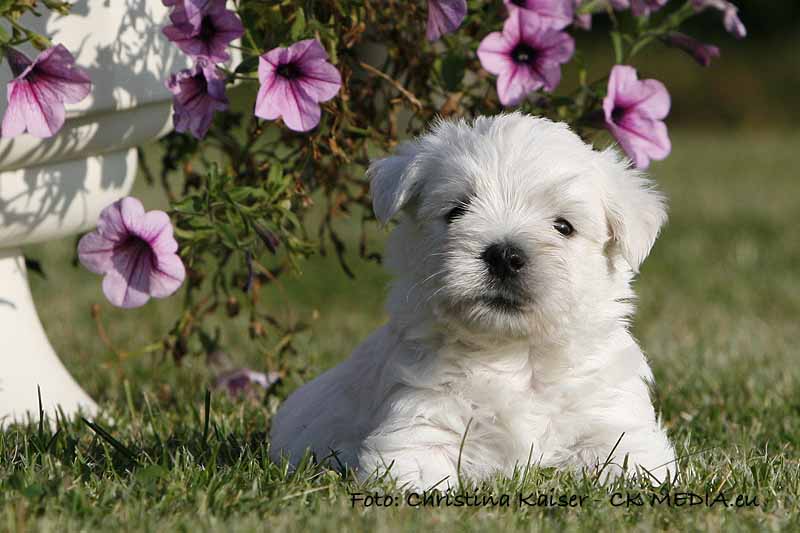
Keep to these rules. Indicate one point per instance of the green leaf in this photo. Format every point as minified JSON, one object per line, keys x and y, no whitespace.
{"x":453,"y":68}
{"x":191,"y":204}
{"x":4,"y":35}
{"x":275,"y":175}
{"x":616,"y":41}
{"x":240,"y":194}
{"x":247,"y":66}
{"x":228,"y":236}
{"x":299,"y":24}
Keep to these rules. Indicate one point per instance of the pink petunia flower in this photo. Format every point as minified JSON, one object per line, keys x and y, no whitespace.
{"x":556,"y":14}
{"x":198,"y":92}
{"x":294,"y":81}
{"x":39,"y":90}
{"x":639,"y":7}
{"x":701,"y":52}
{"x":634,"y":112}
{"x":582,"y":21}
{"x":208,"y":35}
{"x":526,"y":56}
{"x":444,"y":16}
{"x":136,"y":253}
{"x":730,"y":15}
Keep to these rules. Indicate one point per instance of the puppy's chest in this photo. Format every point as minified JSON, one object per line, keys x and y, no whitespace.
{"x":514,"y":400}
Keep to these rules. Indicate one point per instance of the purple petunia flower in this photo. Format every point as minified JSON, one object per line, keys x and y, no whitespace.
{"x":207,"y":35}
{"x":645,"y":7}
{"x":634,"y":112}
{"x":556,"y":14}
{"x":294,"y":81}
{"x":701,"y":52}
{"x":198,"y":92}
{"x":189,"y":12}
{"x":242,"y":381}
{"x":730,"y":15}
{"x":525,"y":56}
{"x":135,"y":251}
{"x":39,"y":90}
{"x":444,"y":16}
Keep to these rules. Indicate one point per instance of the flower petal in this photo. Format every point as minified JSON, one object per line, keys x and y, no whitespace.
{"x":270,"y":61}
{"x":444,"y":16}
{"x":515,"y":84}
{"x":288,"y":100}
{"x":155,"y":227}
{"x":732,"y":22}
{"x":642,"y":138}
{"x":264,"y":107}
{"x":308,"y":50}
{"x":655,"y":102}
{"x":58,"y":71}
{"x":242,"y":379}
{"x":650,"y":133}
{"x":320,"y":80}
{"x":127,"y":284}
{"x":557,"y":46}
{"x":495,"y":53}
{"x":624,"y":90}
{"x":117,"y":219}
{"x":42,"y":114}
{"x":556,"y":14}
{"x":14,"y":118}
{"x":95,"y":252}
{"x":167,"y":276}
{"x":550,"y":74}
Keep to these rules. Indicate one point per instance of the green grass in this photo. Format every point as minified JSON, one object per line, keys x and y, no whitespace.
{"x":718,"y":315}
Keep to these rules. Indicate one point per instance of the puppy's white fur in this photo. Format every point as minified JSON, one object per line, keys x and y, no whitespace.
{"x":557,"y":379}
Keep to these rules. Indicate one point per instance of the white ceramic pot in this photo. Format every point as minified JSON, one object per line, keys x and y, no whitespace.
{"x":57,"y":187}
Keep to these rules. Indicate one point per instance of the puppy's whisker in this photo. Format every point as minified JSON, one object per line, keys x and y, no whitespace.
{"x":423,"y":282}
{"x":429,"y":298}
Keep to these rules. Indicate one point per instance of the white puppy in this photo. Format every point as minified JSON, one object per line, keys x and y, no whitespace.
{"x":508,"y":326}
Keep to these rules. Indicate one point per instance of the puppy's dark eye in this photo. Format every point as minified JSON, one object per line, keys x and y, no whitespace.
{"x":457,"y":211}
{"x":563,"y":227}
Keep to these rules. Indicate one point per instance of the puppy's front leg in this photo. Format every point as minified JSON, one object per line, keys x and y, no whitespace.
{"x":417,"y":457}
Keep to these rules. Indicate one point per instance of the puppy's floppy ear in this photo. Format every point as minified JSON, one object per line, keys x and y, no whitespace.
{"x":394,"y":180}
{"x":636,"y":211}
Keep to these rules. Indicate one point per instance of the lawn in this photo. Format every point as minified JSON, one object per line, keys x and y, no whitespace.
{"x":719,"y":317}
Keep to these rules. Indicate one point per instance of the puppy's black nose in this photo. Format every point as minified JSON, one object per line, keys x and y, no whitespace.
{"x":503,"y":260}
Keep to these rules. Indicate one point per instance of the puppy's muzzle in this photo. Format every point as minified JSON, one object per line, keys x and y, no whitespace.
{"x":504,"y":261}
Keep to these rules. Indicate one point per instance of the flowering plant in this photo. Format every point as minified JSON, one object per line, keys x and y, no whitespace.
{"x":315,"y":90}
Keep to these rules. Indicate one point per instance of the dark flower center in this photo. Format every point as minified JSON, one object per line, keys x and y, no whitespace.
{"x":618,"y":114}
{"x":201,"y":83}
{"x":18,"y":63}
{"x":136,"y":245}
{"x":134,"y":258}
{"x":207,"y":29}
{"x":519,"y":3}
{"x":522,"y":53}
{"x":289,"y":71}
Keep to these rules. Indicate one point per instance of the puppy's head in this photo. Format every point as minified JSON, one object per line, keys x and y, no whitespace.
{"x":512,"y":225}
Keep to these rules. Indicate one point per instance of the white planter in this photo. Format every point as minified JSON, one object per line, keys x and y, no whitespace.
{"x":57,"y":187}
